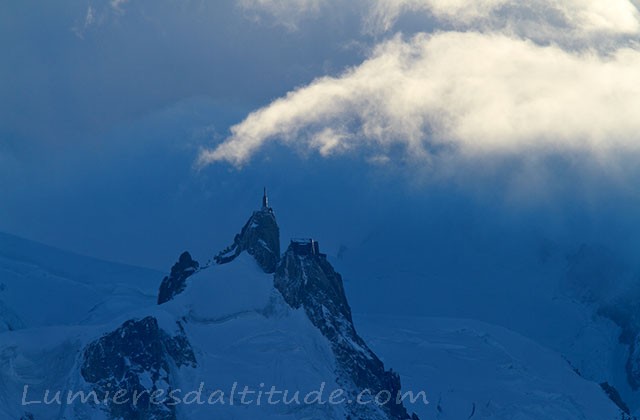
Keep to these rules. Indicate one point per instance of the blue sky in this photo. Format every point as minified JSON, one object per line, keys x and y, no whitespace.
{"x":132,"y":130}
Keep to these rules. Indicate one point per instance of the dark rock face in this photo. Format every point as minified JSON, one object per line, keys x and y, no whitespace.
{"x":614,"y":395}
{"x":138,"y":357}
{"x":306,"y":279}
{"x":175,"y":283}
{"x":260,"y":237}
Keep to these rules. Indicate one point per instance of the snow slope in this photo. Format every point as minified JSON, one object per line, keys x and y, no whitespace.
{"x":473,"y":370}
{"x":41,"y":285}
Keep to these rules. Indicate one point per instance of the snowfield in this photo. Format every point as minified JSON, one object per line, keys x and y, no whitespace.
{"x":472,"y":370}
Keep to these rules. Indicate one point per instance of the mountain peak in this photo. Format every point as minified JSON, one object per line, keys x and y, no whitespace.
{"x":306,"y":279}
{"x":260,"y":237}
{"x":175,"y":283}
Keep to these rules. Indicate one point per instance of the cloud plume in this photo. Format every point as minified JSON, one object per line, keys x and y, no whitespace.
{"x":544,"y":19}
{"x":472,"y":93}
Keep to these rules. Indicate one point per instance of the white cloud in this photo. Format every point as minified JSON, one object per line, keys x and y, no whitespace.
{"x":498,"y":76}
{"x":534,"y":18}
{"x":473,"y":93}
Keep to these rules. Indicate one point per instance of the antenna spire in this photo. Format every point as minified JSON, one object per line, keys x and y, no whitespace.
{"x":265,"y":199}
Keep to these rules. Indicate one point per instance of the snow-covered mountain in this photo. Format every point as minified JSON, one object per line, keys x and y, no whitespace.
{"x":251,"y":317}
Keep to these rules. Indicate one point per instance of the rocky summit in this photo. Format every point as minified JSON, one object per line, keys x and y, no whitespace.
{"x":305,"y":279}
{"x":175,"y":282}
{"x":259,"y":237}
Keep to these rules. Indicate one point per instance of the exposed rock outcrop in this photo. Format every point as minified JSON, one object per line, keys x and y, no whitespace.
{"x":138,"y":357}
{"x":260,"y":237}
{"x":306,"y":279}
{"x":175,"y":283}
{"x":614,"y":395}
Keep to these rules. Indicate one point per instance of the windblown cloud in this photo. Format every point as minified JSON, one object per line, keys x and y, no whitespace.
{"x":535,"y":18}
{"x":472,"y":92}
{"x":541,"y":19}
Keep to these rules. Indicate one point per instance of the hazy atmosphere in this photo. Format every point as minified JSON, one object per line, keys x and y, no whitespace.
{"x":453,"y":159}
